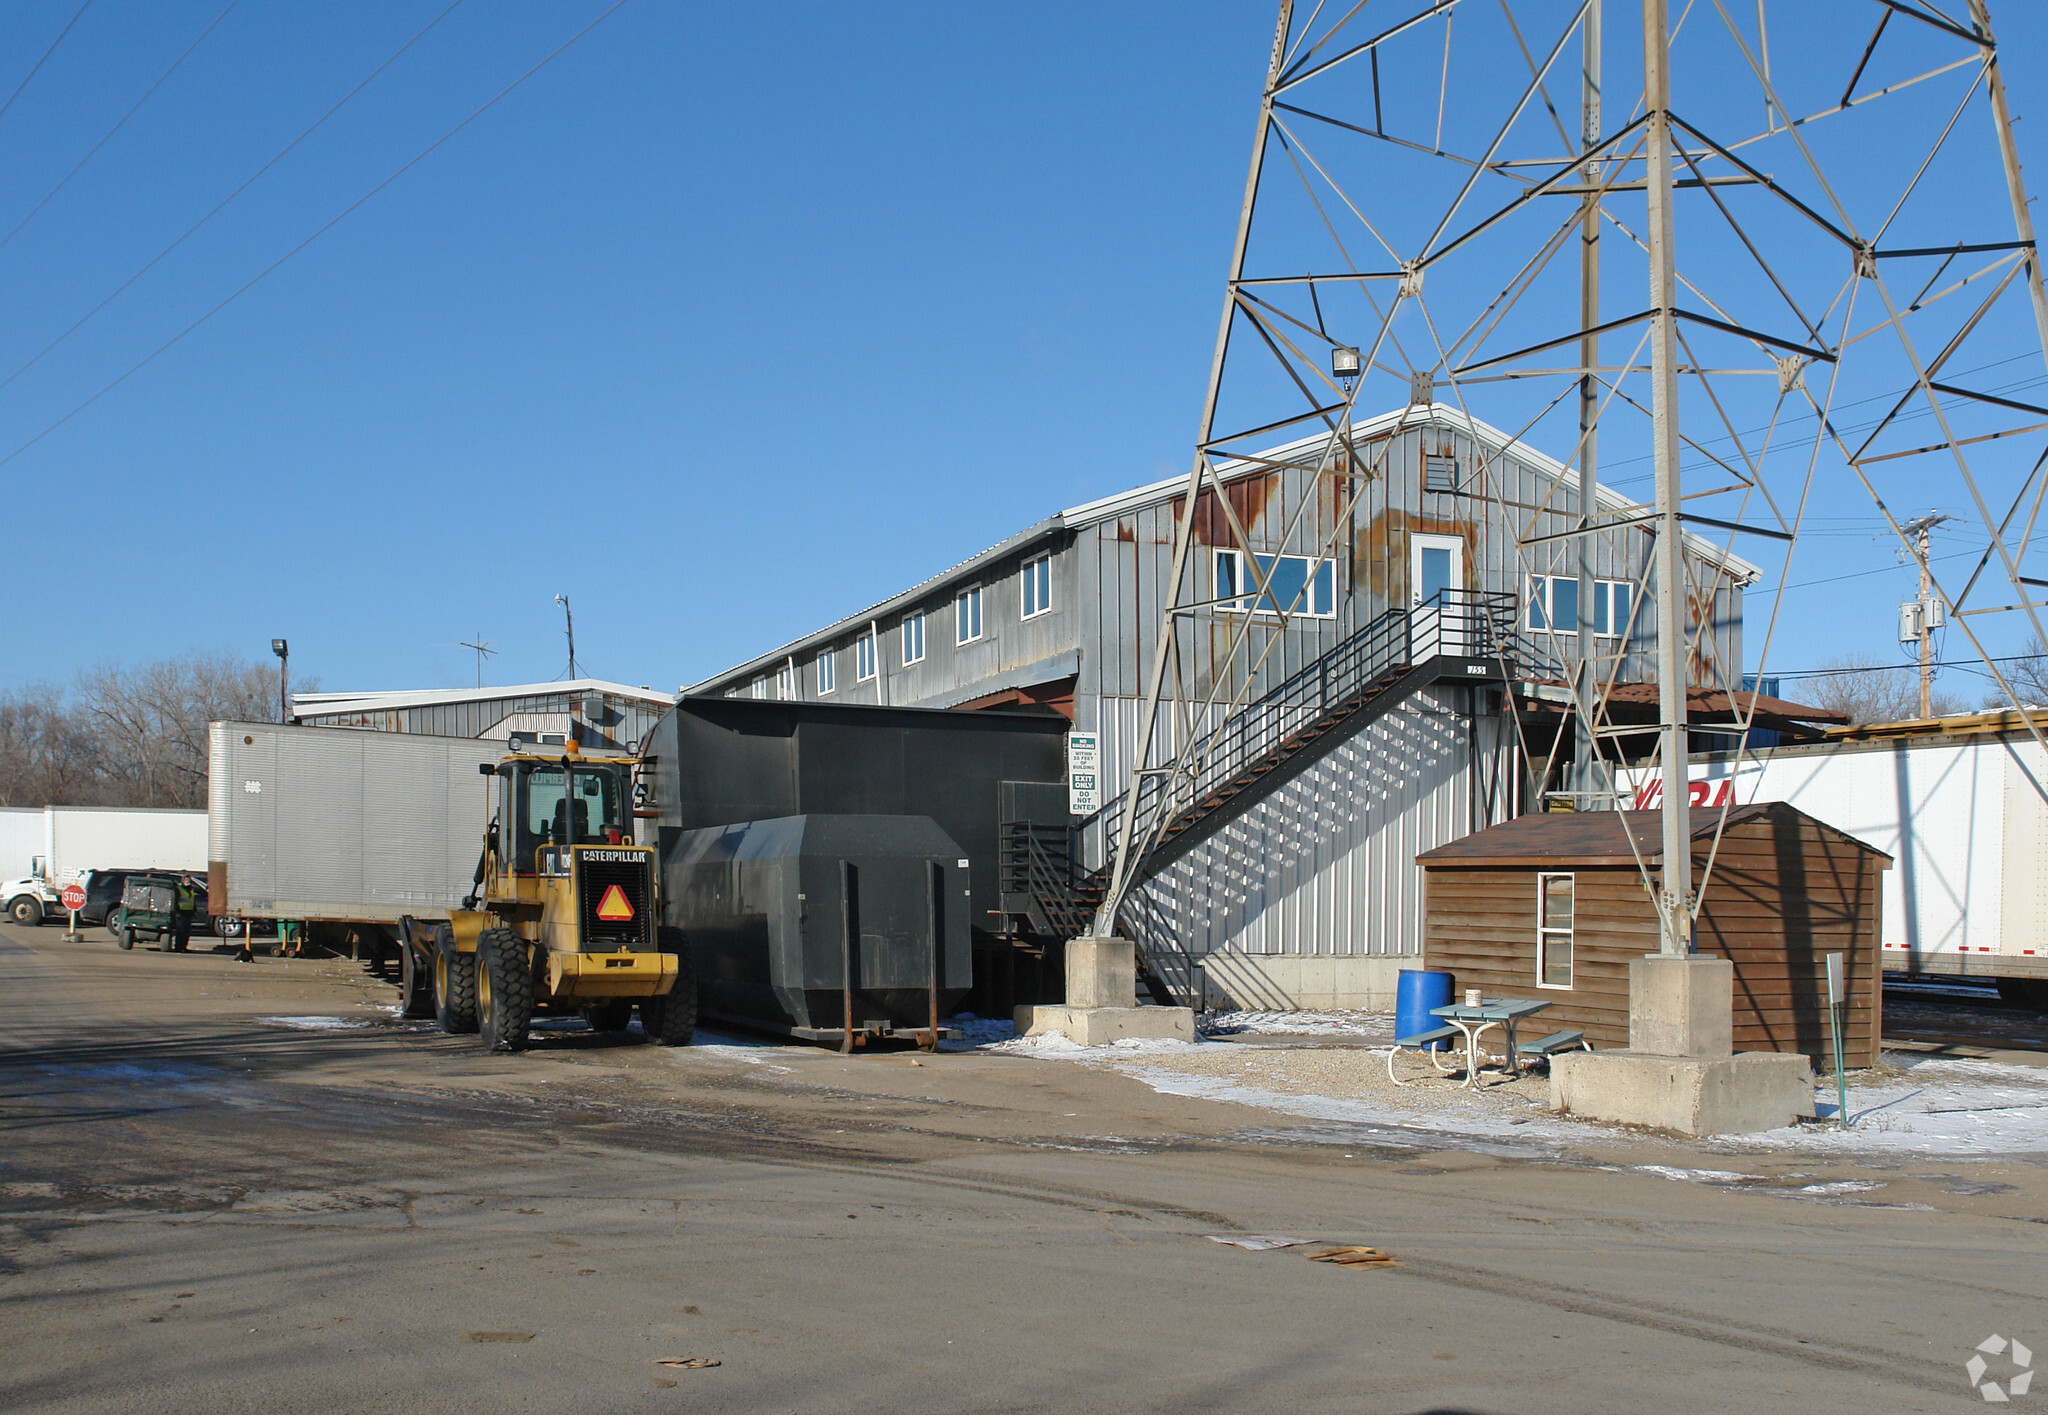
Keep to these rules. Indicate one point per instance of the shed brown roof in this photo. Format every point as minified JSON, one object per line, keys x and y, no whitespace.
{"x":1594,"y":837}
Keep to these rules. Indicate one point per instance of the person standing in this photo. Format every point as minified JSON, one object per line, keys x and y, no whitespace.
{"x":181,"y":915}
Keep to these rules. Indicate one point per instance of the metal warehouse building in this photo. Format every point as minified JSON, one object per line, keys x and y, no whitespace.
{"x":610,"y":714}
{"x":1311,"y":895}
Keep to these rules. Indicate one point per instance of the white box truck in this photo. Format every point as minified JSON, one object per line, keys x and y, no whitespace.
{"x":1964,"y":818}
{"x":60,"y":845}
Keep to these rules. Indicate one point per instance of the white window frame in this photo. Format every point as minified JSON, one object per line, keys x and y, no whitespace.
{"x":1243,"y":603}
{"x":864,"y":658}
{"x":828,"y":673}
{"x":760,"y":688}
{"x":1040,"y":570}
{"x":967,"y":616}
{"x":913,"y":639}
{"x":1545,"y":934}
{"x":785,"y":683}
{"x":1538,"y":602}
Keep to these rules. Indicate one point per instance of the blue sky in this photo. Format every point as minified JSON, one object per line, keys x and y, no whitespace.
{"x":728,"y":322}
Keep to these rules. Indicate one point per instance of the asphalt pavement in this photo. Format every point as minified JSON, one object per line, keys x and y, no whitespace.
{"x":249,"y":1187}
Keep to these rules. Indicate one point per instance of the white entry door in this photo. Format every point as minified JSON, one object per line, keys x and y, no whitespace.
{"x":1436,"y":563}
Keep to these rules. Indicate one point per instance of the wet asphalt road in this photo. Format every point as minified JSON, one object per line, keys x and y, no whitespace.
{"x":200,"y":1211}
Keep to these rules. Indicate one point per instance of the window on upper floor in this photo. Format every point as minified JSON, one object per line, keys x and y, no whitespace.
{"x":760,"y":689}
{"x":785,"y":682}
{"x":967,"y":617}
{"x":864,"y":657}
{"x":1554,"y":605}
{"x":1295,"y":584}
{"x":913,"y":640}
{"x":828,"y":673}
{"x":1037,"y":586}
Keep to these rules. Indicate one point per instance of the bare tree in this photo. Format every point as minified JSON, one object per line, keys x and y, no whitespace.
{"x":128,"y":736}
{"x":1869,"y":691}
{"x":2028,"y":675}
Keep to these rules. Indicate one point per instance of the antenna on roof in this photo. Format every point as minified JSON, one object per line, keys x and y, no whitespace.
{"x":483,"y":651}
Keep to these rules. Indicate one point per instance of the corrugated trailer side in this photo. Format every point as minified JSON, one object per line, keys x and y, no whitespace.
{"x":340,"y":825}
{"x":1963,"y":818}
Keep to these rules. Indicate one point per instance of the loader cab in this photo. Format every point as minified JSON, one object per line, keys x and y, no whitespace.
{"x":544,"y":807}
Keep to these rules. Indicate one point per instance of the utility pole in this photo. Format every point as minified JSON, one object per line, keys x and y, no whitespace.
{"x":570,"y":618}
{"x":1674,"y":903}
{"x":483,"y":651}
{"x":1927,"y":615}
{"x":1585,"y":748}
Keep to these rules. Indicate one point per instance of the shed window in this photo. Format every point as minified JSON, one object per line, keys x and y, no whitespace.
{"x":828,"y":673}
{"x":967,"y":617}
{"x":864,"y":657}
{"x":1037,"y":586}
{"x":1554,"y":605}
{"x":1295,"y":584}
{"x":1553,"y":931}
{"x":913,"y":639}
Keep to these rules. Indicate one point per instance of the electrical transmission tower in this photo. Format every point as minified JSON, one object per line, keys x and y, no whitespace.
{"x":1724,"y":287}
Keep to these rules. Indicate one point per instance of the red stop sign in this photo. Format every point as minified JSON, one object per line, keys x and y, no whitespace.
{"x":73,"y":897}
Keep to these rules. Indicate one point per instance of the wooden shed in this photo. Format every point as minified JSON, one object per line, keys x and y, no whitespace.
{"x":1555,"y":906}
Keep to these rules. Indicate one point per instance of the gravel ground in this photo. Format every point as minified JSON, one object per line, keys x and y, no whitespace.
{"x":1352,"y":1073}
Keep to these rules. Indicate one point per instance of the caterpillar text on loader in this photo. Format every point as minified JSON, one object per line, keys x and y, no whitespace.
{"x":564,"y":917}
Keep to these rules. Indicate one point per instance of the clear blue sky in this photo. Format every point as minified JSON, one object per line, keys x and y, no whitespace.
{"x":728,"y":322}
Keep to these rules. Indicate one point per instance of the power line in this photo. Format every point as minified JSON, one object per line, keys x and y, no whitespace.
{"x":336,"y":220}
{"x":45,"y":59}
{"x":119,"y":123}
{"x":222,"y":204}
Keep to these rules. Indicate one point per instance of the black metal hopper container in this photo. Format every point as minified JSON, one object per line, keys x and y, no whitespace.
{"x":828,"y":927}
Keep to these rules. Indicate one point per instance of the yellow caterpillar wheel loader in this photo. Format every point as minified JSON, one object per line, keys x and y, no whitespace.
{"x":564,"y":916}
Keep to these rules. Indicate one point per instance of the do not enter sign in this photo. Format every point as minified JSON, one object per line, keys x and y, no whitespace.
{"x":73,"y":897}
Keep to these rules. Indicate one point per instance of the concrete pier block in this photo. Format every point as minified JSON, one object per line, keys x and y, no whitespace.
{"x":1102,"y":972}
{"x":1737,"y":1094}
{"x":1099,"y":1026}
{"x":1681,"y":1006}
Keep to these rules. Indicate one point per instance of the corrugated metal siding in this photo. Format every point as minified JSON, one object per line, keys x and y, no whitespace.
{"x":1326,"y":865}
{"x":626,"y":720}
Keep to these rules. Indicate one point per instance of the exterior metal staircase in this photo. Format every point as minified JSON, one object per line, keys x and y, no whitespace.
{"x":1456,"y":636}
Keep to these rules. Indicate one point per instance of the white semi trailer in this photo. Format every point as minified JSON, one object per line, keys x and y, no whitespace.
{"x":343,"y":826}
{"x":51,"y":847}
{"x":1964,"y":818}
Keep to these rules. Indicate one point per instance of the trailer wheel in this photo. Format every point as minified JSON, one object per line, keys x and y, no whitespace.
{"x":415,"y":983}
{"x":454,"y":989}
{"x":671,"y":1020}
{"x":609,"y":1016}
{"x":504,"y":990}
{"x":25,"y":909}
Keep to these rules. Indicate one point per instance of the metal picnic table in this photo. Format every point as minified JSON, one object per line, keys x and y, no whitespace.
{"x":1502,"y":1012}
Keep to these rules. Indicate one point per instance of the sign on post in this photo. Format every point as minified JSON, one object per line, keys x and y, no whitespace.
{"x":1084,"y":782}
{"x":73,"y":897}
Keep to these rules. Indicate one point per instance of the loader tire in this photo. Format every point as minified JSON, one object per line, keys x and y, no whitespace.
{"x":610,"y":1016}
{"x":454,"y":989}
{"x":671,"y":1020}
{"x":504,"y":990}
{"x":415,"y":983}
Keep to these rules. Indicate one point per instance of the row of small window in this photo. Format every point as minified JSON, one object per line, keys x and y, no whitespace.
{"x":1037,"y":599}
{"x":1554,"y":605}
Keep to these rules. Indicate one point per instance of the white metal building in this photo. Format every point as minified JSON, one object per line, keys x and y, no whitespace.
{"x":1311,"y":897}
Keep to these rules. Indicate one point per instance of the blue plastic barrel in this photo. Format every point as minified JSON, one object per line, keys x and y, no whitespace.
{"x":1419,"y":990}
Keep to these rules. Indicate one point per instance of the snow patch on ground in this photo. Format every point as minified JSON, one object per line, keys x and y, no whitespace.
{"x":1924,"y":1106}
{"x":1371,"y":1026}
{"x":315,"y":1024}
{"x":1058,"y":1045}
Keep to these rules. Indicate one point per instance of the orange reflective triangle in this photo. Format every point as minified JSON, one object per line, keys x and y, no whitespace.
{"x":614,"y":908}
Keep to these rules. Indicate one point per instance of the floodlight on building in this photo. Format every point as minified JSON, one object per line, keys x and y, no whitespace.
{"x":1344,"y":364}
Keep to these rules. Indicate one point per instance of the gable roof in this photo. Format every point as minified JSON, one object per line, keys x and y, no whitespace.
{"x":322,"y":704}
{"x":1566,"y":838}
{"x":1090,"y":513}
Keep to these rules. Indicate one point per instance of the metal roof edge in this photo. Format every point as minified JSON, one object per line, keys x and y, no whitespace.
{"x":319,"y":703}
